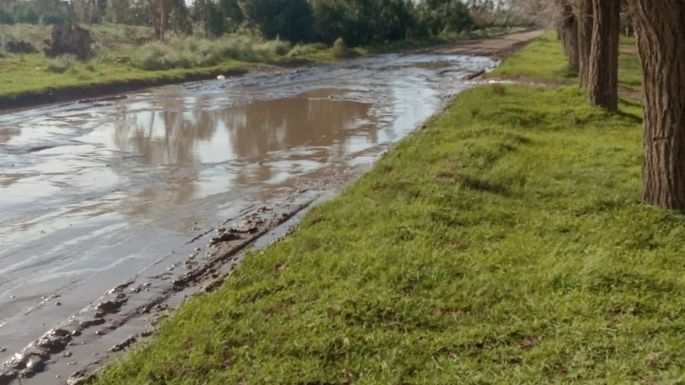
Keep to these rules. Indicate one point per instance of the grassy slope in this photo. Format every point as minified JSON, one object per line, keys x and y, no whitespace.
{"x":503,"y":244}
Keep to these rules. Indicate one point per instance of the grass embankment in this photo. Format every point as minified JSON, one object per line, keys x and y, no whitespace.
{"x":503,"y":244}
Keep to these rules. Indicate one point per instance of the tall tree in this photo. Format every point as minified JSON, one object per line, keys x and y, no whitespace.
{"x":603,"y":64}
{"x":660,"y":27}
{"x":585,"y":23}
{"x":290,"y":20}
{"x":169,"y":14}
{"x":567,"y":25}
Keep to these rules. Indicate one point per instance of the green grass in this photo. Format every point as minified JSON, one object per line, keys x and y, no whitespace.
{"x":32,"y":73}
{"x":122,"y":55}
{"x":630,"y":71}
{"x":505,"y":243}
{"x":544,"y":60}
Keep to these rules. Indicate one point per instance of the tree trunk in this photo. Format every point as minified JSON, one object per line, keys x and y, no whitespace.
{"x":584,"y":40}
{"x":155,"y":14}
{"x":603,"y":63}
{"x":163,"y":19}
{"x":568,"y":32}
{"x":660,"y":28}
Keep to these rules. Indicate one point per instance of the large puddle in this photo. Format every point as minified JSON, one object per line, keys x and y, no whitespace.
{"x":92,"y":194}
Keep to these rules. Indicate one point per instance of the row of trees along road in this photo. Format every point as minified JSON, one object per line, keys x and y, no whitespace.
{"x":589,"y":30}
{"x":356,"y":21}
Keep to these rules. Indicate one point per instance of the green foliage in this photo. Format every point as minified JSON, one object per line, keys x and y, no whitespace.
{"x":127,"y":12}
{"x":27,"y":15}
{"x":287,"y":19}
{"x":360,"y":22}
{"x":33,"y":11}
{"x":216,"y":23}
{"x":6,"y":17}
{"x":442,"y":16}
{"x":191,"y":52}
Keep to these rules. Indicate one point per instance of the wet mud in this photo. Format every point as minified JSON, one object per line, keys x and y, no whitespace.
{"x":116,"y":210}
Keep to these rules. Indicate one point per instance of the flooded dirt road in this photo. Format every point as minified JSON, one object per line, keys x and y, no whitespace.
{"x":94,"y":194}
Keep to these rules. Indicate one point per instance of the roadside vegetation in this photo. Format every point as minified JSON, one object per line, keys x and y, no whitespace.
{"x":42,"y":41}
{"x":540,"y":62}
{"x":503,"y":243}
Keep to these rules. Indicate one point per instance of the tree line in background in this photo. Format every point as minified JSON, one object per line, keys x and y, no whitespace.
{"x":590,"y":32}
{"x":356,"y":21}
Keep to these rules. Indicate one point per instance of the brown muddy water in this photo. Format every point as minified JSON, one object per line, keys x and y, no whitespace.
{"x":98,"y":193}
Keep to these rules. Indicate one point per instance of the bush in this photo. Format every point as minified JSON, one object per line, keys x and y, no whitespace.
{"x":197,"y":52}
{"x":291,"y":20}
{"x":6,"y":17}
{"x":26,"y":15}
{"x":340,"y":50}
{"x":19,"y":46}
{"x":62,"y":64}
{"x":444,"y":16}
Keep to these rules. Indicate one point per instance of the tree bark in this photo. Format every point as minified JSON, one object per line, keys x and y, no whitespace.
{"x":603,"y":63}
{"x":660,"y":28}
{"x":568,"y":32}
{"x":584,"y":40}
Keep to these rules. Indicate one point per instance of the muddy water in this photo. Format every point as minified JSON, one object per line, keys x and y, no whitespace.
{"x":94,"y":193}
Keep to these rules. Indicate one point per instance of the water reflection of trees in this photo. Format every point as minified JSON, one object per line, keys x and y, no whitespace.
{"x":164,"y":136}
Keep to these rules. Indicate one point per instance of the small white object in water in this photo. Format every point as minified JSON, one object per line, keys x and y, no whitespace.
{"x":221,"y":77}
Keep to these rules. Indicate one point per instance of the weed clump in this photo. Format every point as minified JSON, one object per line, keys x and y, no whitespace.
{"x":19,"y":46}
{"x":62,"y":64}
{"x":300,"y":50}
{"x":340,"y":50}
{"x":196,"y":52}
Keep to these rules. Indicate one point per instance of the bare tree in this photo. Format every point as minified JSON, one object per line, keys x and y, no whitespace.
{"x":660,"y":28}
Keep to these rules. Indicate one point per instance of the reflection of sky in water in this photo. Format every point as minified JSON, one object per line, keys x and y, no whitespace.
{"x":161,"y":146}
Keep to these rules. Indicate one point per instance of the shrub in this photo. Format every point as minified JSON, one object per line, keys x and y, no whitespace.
{"x":194,"y":51}
{"x":340,"y":50}
{"x":61,"y":64}
{"x":6,"y":17}
{"x":291,"y":20}
{"x":19,"y":46}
